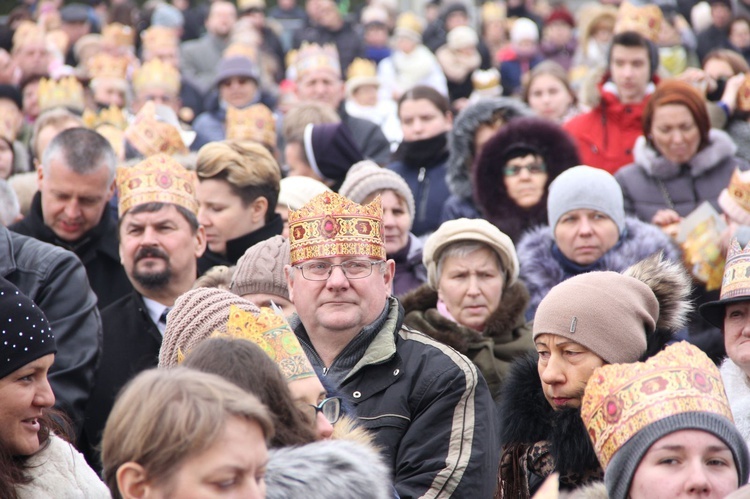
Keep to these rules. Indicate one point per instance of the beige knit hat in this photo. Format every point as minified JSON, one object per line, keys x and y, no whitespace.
{"x":261,"y":269}
{"x":366,"y":177}
{"x":194,"y":317}
{"x":464,"y":229}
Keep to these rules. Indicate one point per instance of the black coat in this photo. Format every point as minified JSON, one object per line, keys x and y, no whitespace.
{"x":131,"y":344}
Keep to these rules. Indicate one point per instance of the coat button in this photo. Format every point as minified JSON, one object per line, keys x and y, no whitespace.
{"x":356,"y":395}
{"x":395,"y":373}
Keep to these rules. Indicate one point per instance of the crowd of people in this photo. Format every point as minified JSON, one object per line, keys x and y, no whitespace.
{"x":334,"y":250}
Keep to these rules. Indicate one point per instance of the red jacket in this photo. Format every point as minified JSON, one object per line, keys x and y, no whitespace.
{"x":605,"y":136}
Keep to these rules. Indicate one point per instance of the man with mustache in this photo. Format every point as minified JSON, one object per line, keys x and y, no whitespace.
{"x":160,"y":242}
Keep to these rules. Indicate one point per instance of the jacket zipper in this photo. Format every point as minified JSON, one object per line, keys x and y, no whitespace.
{"x":424,"y":185}
{"x":315,"y":354}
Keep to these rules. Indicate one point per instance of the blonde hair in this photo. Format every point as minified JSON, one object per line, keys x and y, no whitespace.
{"x":163,"y":417}
{"x":218,"y":276}
{"x":302,"y":114}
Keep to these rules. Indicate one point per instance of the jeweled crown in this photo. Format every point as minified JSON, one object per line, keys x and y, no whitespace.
{"x":158,"y":37}
{"x":645,"y":20}
{"x":118,"y":35}
{"x":255,"y":123}
{"x":150,"y":136}
{"x":108,"y":66}
{"x":736,"y":280}
{"x":361,"y":68}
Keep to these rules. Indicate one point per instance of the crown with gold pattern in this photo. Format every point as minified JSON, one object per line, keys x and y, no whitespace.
{"x":150,"y":136}
{"x":157,"y":74}
{"x":66,"y":92}
{"x":331,"y":225}
{"x":738,"y":191}
{"x":157,"y":37}
{"x":118,"y":35}
{"x":645,"y":20}
{"x":255,"y":123}
{"x":158,"y":179}
{"x":108,"y":66}
{"x":271,"y":332}
{"x":241,"y":50}
{"x":735,"y":286}
{"x":486,"y":80}
{"x":111,"y":115}
{"x":622,"y":399}
{"x":312,"y":56}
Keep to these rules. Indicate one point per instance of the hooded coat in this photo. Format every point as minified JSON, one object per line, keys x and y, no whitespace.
{"x":505,"y":336}
{"x":558,"y":152}
{"x":460,"y":204}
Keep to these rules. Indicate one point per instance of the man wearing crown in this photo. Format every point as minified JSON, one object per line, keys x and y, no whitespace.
{"x":160,"y":242}
{"x":428,"y":407}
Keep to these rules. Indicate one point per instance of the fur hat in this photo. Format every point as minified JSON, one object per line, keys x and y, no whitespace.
{"x":366,"y":177}
{"x":261,"y":269}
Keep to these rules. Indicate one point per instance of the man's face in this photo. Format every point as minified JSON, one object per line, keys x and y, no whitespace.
{"x":110,"y":92}
{"x":721,"y":15}
{"x":630,"y":71}
{"x":166,"y":54}
{"x":157,"y":248}
{"x":72,"y":203}
{"x":737,"y":333}
{"x":339,"y":305}
{"x":321,"y":85}
{"x":221,"y":19}
{"x":158,"y":96}
{"x":238,"y":91}
{"x":32,"y":58}
{"x":328,"y":15}
{"x":31,"y":100}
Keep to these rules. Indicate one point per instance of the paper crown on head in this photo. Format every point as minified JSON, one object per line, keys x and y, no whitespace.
{"x":150,"y":136}
{"x":66,"y":92}
{"x":115,"y":136}
{"x":157,"y":37}
{"x":118,"y":35}
{"x":622,"y":399}
{"x":241,"y":50}
{"x":492,"y":11}
{"x":361,"y":72}
{"x":735,"y":287}
{"x":158,"y":179}
{"x":486,"y":80}
{"x":743,"y":95}
{"x":331,"y":225}
{"x":157,"y":74}
{"x":735,"y":199}
{"x":108,"y":66}
{"x":111,"y":115}
{"x":271,"y":332}
{"x":255,"y":123}
{"x":409,"y":25}
{"x":645,"y":20}
{"x":312,"y":56}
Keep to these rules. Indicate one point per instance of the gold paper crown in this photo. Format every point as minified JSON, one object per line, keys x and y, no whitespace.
{"x":115,"y":136}
{"x":241,"y":50}
{"x":743,"y":95}
{"x":622,"y":399}
{"x":108,"y":66}
{"x":255,"y":123}
{"x":150,"y":136}
{"x":739,"y":190}
{"x":67,"y":92}
{"x":483,"y":80}
{"x":645,"y":20}
{"x":492,"y":11}
{"x":411,"y":22}
{"x":361,"y":68}
{"x":157,"y":37}
{"x":111,"y":115}
{"x":331,"y":225}
{"x":157,"y":74}
{"x":118,"y":35}
{"x":312,"y":56}
{"x":158,"y":179}
{"x":271,"y":332}
{"x":736,"y":282}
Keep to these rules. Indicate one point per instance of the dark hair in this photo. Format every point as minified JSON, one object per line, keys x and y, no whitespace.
{"x":632,"y":39}
{"x":680,"y":93}
{"x":427,"y":93}
{"x":153,"y":207}
{"x":246,"y":365}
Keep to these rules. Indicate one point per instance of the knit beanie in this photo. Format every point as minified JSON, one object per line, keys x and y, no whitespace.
{"x":295,"y":192}
{"x":462,"y":37}
{"x":194,"y":317}
{"x":464,"y":229}
{"x":609,"y":313}
{"x":261,"y":269}
{"x":584,"y":187}
{"x":524,"y":29}
{"x":25,"y":334}
{"x":367,"y":177}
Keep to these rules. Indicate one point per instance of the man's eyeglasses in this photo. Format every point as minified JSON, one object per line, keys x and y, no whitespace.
{"x":330,"y":407}
{"x":512,"y":171}
{"x":352,"y":269}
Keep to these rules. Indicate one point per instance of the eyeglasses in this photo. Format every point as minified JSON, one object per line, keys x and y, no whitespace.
{"x":330,"y":407}
{"x":512,"y":171}
{"x":353,"y":269}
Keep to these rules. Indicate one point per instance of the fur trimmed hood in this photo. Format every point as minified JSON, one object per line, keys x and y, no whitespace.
{"x":461,"y":138}
{"x":720,"y":148}
{"x":557,"y":148}
{"x":737,"y":386}
{"x":540,"y":270}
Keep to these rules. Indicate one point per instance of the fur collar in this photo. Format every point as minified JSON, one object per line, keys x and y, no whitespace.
{"x":719,"y":148}
{"x":737,"y":386}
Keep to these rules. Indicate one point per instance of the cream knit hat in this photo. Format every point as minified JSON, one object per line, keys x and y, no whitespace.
{"x":194,"y":317}
{"x":367,"y":177}
{"x":295,"y":192}
{"x":261,"y":269}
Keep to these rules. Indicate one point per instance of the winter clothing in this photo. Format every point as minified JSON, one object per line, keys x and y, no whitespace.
{"x":458,"y":65}
{"x":513,"y":68}
{"x":558,"y":152}
{"x":366,"y":177}
{"x":261,"y":269}
{"x":428,"y":407}
{"x":712,"y":38}
{"x":506,"y":335}
{"x":295,"y":192}
{"x":330,"y":150}
{"x":200,"y":58}
{"x":368,"y":137}
{"x":737,"y":386}
{"x":59,"y":471}
{"x":561,"y":54}
{"x":410,"y":271}
{"x":401,"y":71}
{"x":739,"y":130}
{"x":653,"y":183}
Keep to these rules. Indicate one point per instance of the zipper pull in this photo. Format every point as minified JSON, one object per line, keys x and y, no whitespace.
{"x":325,"y":371}
{"x":422,"y":172}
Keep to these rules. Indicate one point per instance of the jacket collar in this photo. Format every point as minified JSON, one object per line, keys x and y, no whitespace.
{"x":237,"y":247}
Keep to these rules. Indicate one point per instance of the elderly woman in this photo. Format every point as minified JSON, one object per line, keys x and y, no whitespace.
{"x":473,"y":300}
{"x":587,"y":230}
{"x":583,"y":323}
{"x":366,"y":180}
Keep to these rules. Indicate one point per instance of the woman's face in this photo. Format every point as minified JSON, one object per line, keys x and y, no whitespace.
{"x":718,"y":69}
{"x":24,"y":394}
{"x":224,"y":215}
{"x":739,"y":34}
{"x":564,"y":368}
{"x":686,"y":463}
{"x":421,"y":119}
{"x":6,"y":159}
{"x":584,"y":236}
{"x":396,"y":221}
{"x":549,"y":97}
{"x":525,"y":179}
{"x":674,"y":133}
{"x":471,"y":287}
{"x":307,"y":392}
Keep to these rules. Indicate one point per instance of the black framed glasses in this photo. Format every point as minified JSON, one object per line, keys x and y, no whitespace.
{"x":352,"y":269}
{"x":512,"y":171}
{"x":330,"y":407}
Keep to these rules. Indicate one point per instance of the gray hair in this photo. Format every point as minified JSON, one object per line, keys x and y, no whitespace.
{"x":83,"y":151}
{"x":462,"y":249}
{"x":9,"y":206}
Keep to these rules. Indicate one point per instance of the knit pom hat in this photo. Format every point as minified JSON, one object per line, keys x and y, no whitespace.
{"x":194,"y":317}
{"x":524,"y":29}
{"x":367,"y":177}
{"x":261,"y":269}
{"x":462,"y":37}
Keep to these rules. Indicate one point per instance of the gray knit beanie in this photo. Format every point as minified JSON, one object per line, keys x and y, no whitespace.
{"x":194,"y":317}
{"x":584,"y":187}
{"x":261,"y":269}
{"x":367,"y":177}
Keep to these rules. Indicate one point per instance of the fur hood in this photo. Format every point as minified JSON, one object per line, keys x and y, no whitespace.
{"x":330,"y":469}
{"x":737,"y":386}
{"x":720,"y":148}
{"x":556,"y":147}
{"x":540,"y":270}
{"x":596,"y":490}
{"x":461,"y":138}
